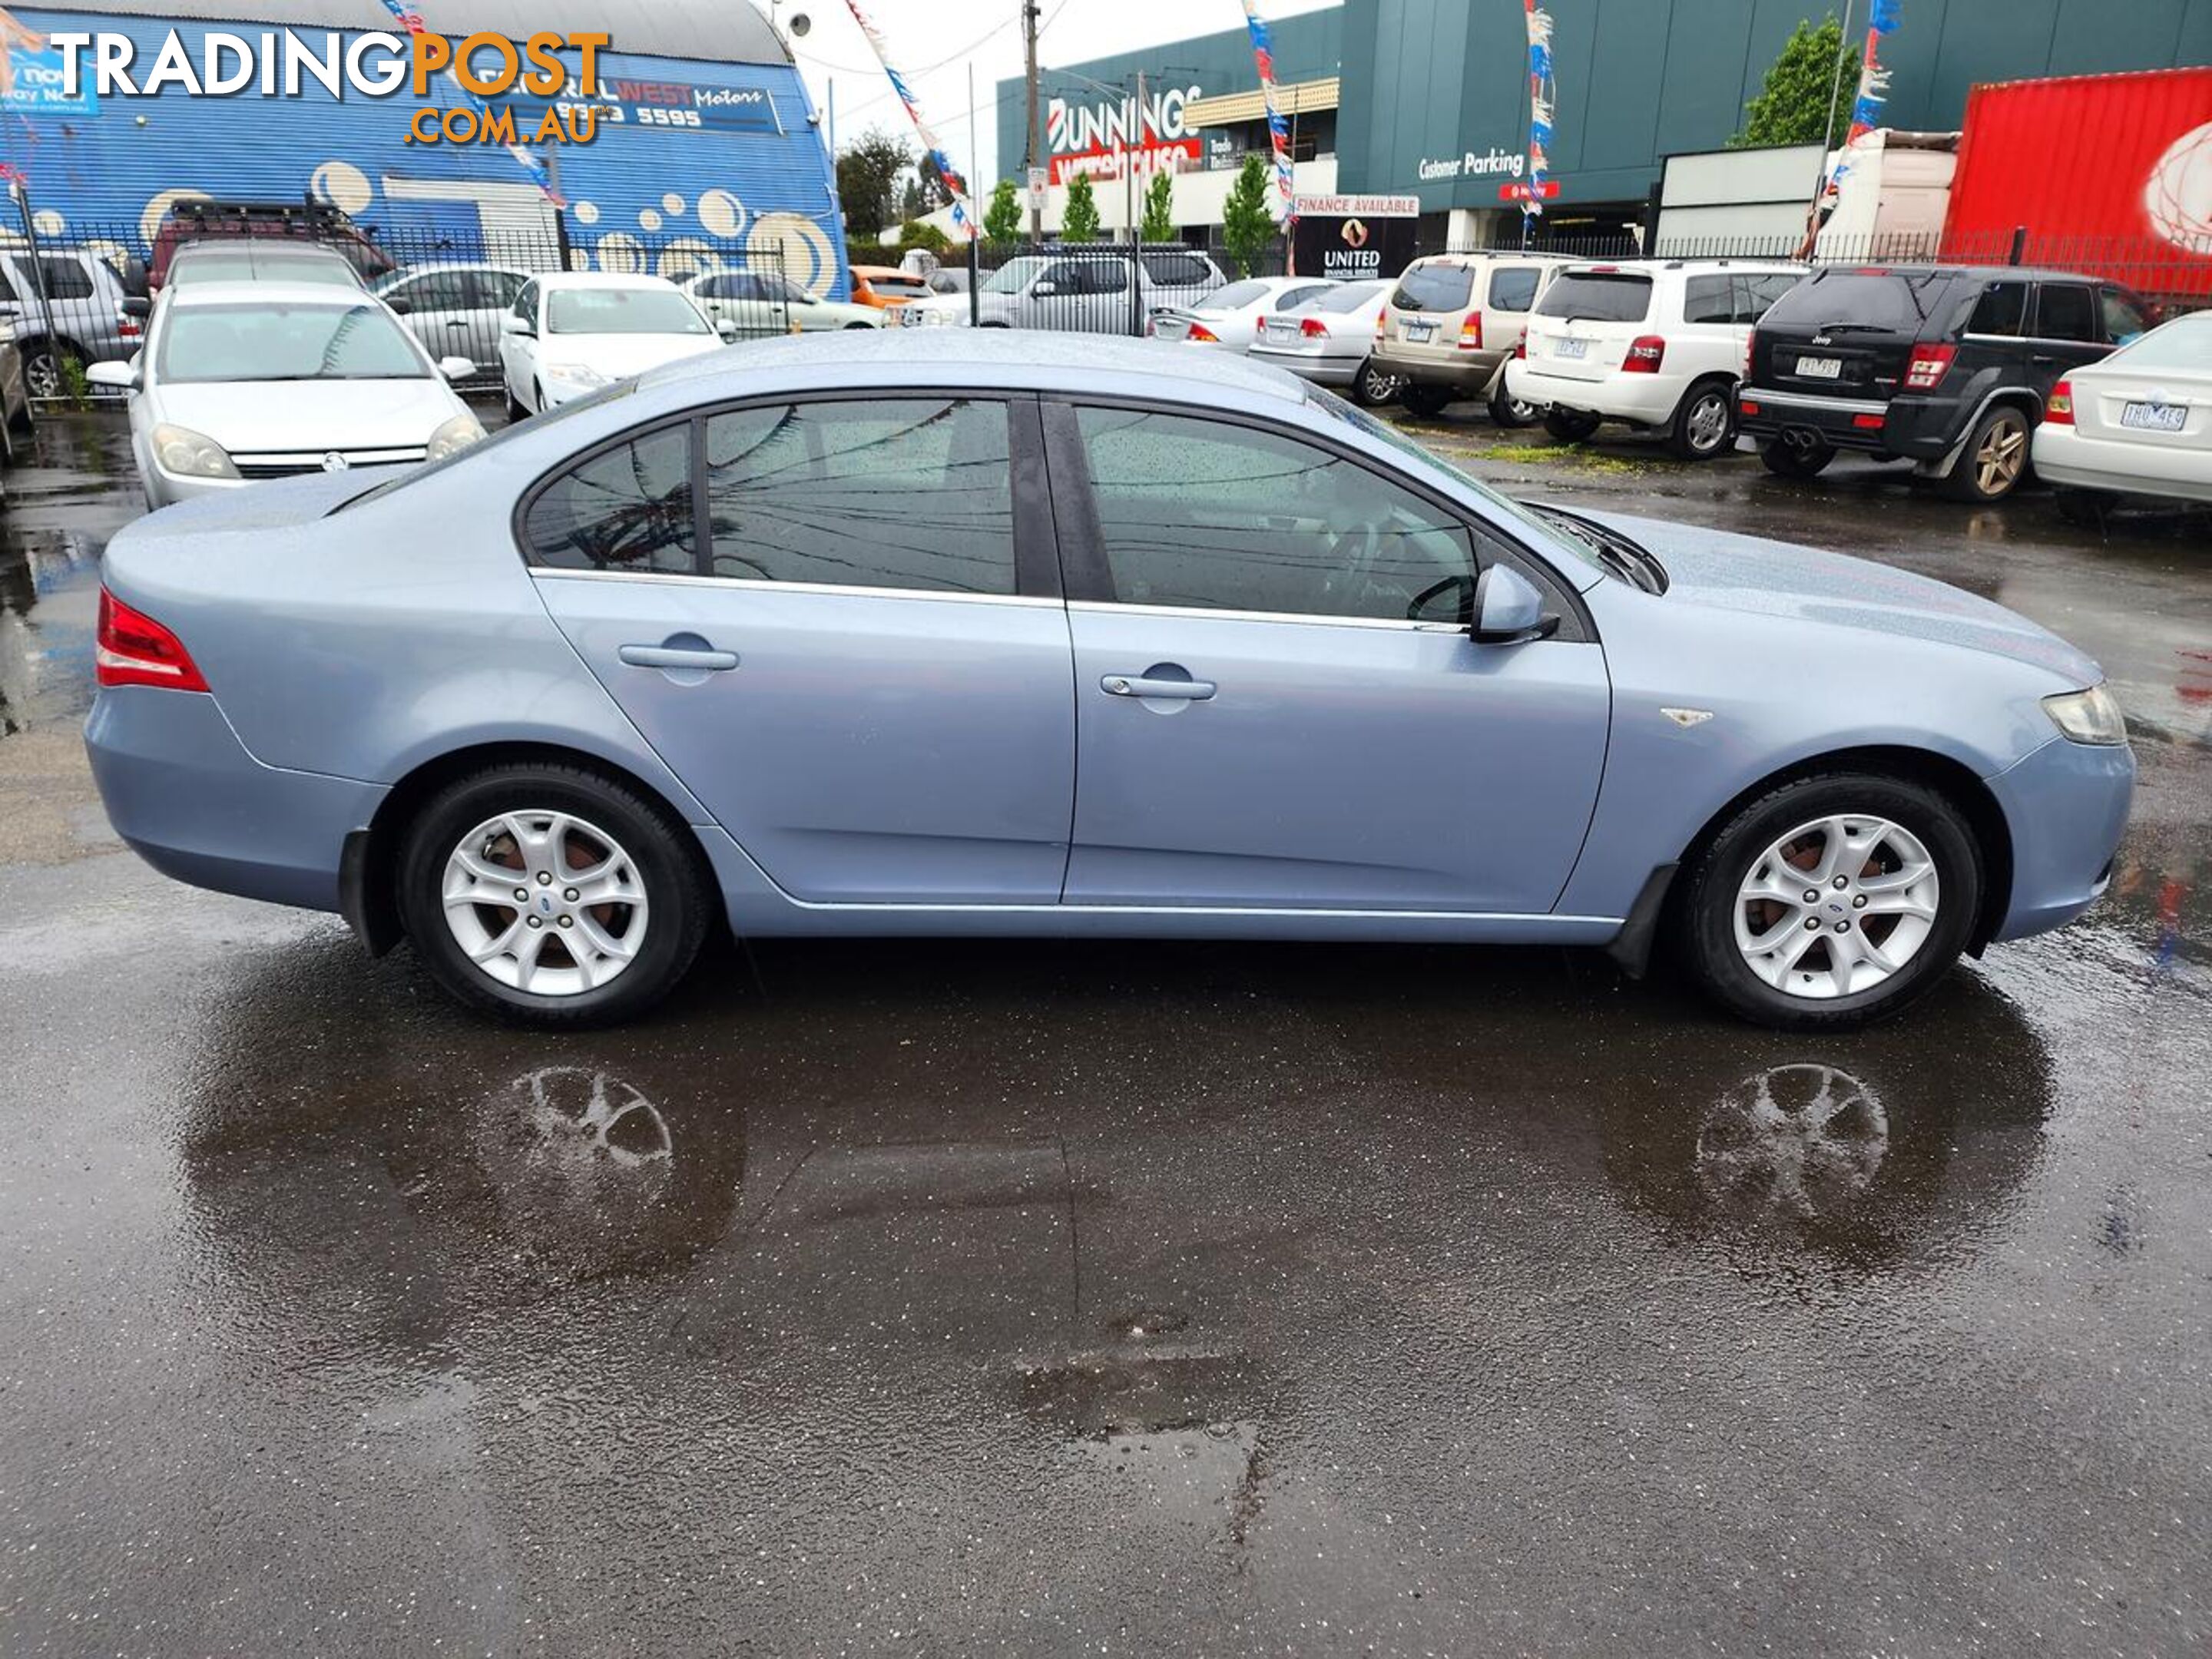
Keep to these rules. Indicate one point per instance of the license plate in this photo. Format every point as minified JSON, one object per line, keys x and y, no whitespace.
{"x":1572,"y":349}
{"x":1281,"y":334}
{"x":2155,"y":417}
{"x":1421,"y":333}
{"x":1820,"y":368}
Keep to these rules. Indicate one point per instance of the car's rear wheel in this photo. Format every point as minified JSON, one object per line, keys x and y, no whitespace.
{"x":1375,"y":386}
{"x":551,"y":895}
{"x":1428,"y":401}
{"x":1832,"y":901}
{"x":1995,"y":460}
{"x":1569,"y":426}
{"x":1704,"y":425}
{"x":515,"y":411}
{"x":1797,"y":458}
{"x":1508,"y":411}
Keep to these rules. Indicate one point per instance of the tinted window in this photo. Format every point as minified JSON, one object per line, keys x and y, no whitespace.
{"x":1513,"y":287}
{"x":438,"y":290}
{"x":628,"y":508}
{"x":906,"y":493}
{"x":1435,"y":288}
{"x":2065,"y":312}
{"x":1597,"y":296}
{"x":2002,"y":310}
{"x":1871,"y":299}
{"x":2123,"y":317}
{"x":1755,"y":293}
{"x":1709,"y":300}
{"x":496,"y":289}
{"x":1225,"y":518}
{"x":1177,"y":270}
{"x":66,"y":278}
{"x":525,"y":304}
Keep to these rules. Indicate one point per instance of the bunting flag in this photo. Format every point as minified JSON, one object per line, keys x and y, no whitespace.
{"x":540,"y":175}
{"x":1279,"y":130}
{"x":1873,"y":86}
{"x":963,"y":216}
{"x":1543,"y":94}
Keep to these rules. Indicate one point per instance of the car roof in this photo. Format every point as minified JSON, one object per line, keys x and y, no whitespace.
{"x":565,"y":279}
{"x":254,"y":248}
{"x":1018,"y":359}
{"x":261,"y":289}
{"x":1984,"y":273}
{"x":405,"y":272}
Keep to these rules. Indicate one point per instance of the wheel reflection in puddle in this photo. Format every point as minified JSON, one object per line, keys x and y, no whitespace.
{"x":580,"y":1163}
{"x":1802,"y":1141}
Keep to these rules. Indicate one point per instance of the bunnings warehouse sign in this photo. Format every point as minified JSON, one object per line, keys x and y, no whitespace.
{"x":1345,"y":237}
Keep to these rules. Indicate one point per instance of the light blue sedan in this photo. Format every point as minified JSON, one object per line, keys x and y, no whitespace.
{"x":1001,"y":634}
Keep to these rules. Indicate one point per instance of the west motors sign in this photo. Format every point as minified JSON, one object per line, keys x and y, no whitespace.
{"x":1348,"y":237}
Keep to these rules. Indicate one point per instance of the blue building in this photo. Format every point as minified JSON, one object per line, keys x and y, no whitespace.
{"x":707,"y":151}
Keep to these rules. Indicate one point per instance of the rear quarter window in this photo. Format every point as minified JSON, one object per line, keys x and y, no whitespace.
{"x":1513,"y":287}
{"x":1598,"y":296}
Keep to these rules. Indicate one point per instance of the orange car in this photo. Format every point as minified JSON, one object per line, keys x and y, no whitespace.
{"x":886,"y":287}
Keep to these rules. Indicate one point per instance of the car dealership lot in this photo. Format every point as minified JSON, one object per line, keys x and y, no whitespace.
{"x":1155,"y":1298}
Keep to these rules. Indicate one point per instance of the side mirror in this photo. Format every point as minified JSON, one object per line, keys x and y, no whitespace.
{"x":727,"y":328}
{"x":1509,"y":609}
{"x":137,"y":305}
{"x":456,"y":368}
{"x":511,"y":324}
{"x":116,"y":376}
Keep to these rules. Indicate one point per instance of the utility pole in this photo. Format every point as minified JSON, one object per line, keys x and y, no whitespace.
{"x":1034,"y":143}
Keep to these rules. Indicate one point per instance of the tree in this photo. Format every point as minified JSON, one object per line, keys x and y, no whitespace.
{"x":1247,"y":228}
{"x":935,"y":192}
{"x":868,"y":180}
{"x":1079,"y":224}
{"x":919,"y":232}
{"x":1794,"y":103}
{"x":1002,"y":220}
{"x":1159,"y":210}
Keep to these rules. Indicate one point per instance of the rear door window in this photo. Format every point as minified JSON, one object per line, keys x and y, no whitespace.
{"x":1756,"y":294}
{"x":66,"y":278}
{"x":2065,"y":311}
{"x":1709,"y":300}
{"x":1177,"y":269}
{"x":1435,"y":288}
{"x":1513,"y":287}
{"x":1598,"y":296}
{"x":2001,"y":311}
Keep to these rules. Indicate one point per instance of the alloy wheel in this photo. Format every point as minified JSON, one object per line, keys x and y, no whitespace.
{"x":1708,"y":424}
{"x":2001,"y":456}
{"x":1378,"y":387}
{"x":1836,"y":907}
{"x":42,"y":375}
{"x":545,"y":902}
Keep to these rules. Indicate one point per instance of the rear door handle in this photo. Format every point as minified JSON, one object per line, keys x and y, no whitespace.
{"x":671,"y":656}
{"x":1136,"y":685}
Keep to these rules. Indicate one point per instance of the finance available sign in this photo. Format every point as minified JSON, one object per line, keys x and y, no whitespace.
{"x":1348,"y":237}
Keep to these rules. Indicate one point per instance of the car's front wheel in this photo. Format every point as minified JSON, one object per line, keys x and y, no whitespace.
{"x":551,"y":895}
{"x":1832,"y":901}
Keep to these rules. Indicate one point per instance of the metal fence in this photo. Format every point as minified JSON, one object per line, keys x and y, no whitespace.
{"x":1092,"y":288}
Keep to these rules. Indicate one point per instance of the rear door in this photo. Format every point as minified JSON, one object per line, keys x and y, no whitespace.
{"x":1596,"y":313}
{"x":848,"y":643}
{"x":2068,"y":332}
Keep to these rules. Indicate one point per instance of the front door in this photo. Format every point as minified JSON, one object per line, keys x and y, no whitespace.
{"x":850,"y":675}
{"x":1278,"y":702}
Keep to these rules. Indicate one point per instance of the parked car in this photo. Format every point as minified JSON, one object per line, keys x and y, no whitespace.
{"x":15,"y":394}
{"x":1945,"y":365}
{"x":815,"y":637}
{"x":1657,"y":346}
{"x":194,"y":221}
{"x":767,"y":302}
{"x":1230,"y":317}
{"x":575,"y":331}
{"x":1452,"y":324}
{"x":886,"y":288}
{"x":1086,"y":289}
{"x":258,"y":259}
{"x":457,"y":307}
{"x":241,"y":381}
{"x":948,"y":279}
{"x":2137,"y":423}
{"x":1329,"y":339}
{"x":93,"y":319}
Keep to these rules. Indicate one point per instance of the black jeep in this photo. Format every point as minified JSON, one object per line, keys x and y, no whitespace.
{"x":1947,"y":366}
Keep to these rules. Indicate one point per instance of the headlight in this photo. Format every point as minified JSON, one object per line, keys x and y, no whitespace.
{"x":2091,"y":716}
{"x":453,"y":436}
{"x":575,"y":374}
{"x":185,"y":453}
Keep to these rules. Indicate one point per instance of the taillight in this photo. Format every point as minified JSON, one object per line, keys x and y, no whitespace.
{"x":1470,"y":332}
{"x":1201,"y":331}
{"x":1313,"y":328}
{"x":128,"y":328}
{"x":132,"y":650}
{"x":1925,"y":369}
{"x":2059,"y":407}
{"x":1520,"y":350}
{"x":1645,"y":353}
{"x":1381,"y":327}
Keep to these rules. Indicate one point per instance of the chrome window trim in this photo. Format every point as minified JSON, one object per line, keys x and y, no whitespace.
{"x":1207,"y":613}
{"x":548,"y":573}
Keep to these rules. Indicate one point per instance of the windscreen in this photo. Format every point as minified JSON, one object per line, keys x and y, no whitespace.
{"x":287,"y":342}
{"x":622,"y":311}
{"x":1598,"y":296}
{"x":1435,"y":288}
{"x":1864,"y":300}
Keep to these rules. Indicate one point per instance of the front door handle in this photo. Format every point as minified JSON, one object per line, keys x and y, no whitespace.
{"x":1138,"y":685}
{"x":676,"y":656}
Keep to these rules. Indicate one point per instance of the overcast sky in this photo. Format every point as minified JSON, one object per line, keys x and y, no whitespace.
{"x":934,"y":41}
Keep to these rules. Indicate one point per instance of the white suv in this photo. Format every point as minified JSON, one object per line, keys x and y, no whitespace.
{"x":1658,"y":344}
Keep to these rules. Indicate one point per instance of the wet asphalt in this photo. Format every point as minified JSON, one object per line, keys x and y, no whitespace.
{"x":1148,"y":1299}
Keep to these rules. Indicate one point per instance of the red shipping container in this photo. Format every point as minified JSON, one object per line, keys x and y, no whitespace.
{"x":2106,"y":173}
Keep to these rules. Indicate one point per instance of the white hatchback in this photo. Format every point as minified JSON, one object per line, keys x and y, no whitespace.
{"x":1658,"y":345}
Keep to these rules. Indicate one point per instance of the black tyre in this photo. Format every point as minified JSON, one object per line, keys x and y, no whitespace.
{"x":1375,"y":386}
{"x":1995,"y":460}
{"x":1569,"y":426}
{"x":515,"y":411}
{"x":1428,"y":401}
{"x":551,"y":895}
{"x":1507,"y":411}
{"x":1704,"y":425}
{"x":863,"y":327}
{"x":1894,"y":879}
{"x":44,"y":373}
{"x":537,"y":398}
{"x":1796,"y":460}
